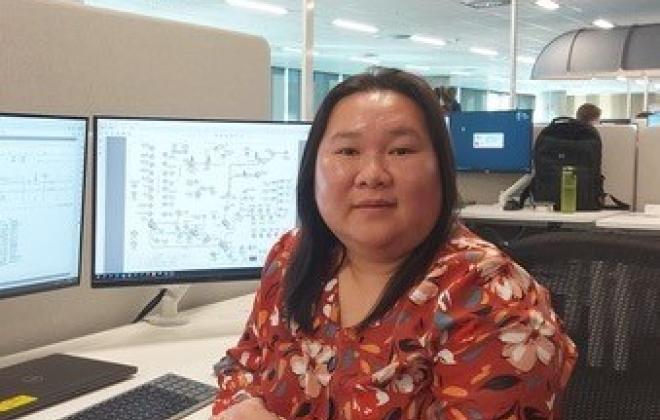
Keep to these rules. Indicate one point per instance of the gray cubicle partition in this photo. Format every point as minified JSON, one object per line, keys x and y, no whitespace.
{"x":648,"y":167}
{"x":618,"y":167}
{"x":66,"y":58}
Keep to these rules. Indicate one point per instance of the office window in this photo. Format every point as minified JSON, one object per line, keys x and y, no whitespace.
{"x":473,"y":99}
{"x":323,"y":82}
{"x":278,"y":98}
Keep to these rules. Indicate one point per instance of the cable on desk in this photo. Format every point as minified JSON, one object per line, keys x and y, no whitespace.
{"x":150,"y":306}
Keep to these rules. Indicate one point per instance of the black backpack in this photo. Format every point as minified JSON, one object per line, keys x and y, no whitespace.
{"x":566,"y":141}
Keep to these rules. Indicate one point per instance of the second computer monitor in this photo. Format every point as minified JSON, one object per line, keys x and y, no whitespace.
{"x":42,"y":165}
{"x":492,"y":141}
{"x":187,"y":200}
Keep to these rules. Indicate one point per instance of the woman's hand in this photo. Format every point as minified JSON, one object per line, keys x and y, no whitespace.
{"x":249,"y":409}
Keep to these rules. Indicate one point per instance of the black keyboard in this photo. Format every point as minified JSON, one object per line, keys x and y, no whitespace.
{"x":167,"y":397}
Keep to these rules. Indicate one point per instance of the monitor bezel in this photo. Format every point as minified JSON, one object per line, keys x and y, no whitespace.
{"x":178,"y":277}
{"x":498,"y":171}
{"x":70,"y":282}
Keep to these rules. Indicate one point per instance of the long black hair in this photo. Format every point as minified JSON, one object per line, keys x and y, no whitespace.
{"x":315,"y":259}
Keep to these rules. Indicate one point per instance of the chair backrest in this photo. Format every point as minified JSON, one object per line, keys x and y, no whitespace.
{"x":606,"y":289}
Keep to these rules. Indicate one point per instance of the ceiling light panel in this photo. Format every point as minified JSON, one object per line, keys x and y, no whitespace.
{"x":355,"y":26}
{"x":258,"y":6}
{"x":483,"y":51}
{"x":437,"y":42}
{"x":603,"y":24}
{"x":547,"y":4}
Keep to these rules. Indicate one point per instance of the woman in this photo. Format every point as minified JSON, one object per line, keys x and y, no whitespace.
{"x":382,"y":306}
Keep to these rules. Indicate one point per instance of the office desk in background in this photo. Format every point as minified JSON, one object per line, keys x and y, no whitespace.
{"x":189,"y":350}
{"x":634,"y":222}
{"x":493,"y":213}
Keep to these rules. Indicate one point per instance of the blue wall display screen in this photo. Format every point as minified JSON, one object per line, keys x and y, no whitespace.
{"x":492,"y":141}
{"x":653,"y":120}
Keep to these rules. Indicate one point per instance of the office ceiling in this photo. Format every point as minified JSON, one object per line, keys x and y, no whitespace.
{"x":461,"y":26}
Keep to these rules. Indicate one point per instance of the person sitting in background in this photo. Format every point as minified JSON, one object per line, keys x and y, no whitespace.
{"x":449,"y":99}
{"x":588,"y":114}
{"x":382,"y":305}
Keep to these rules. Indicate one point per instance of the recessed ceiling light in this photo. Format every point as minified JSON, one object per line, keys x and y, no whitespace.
{"x":428,"y":40}
{"x":603,"y":24}
{"x":354,"y":26}
{"x":483,"y":51}
{"x":547,"y":4}
{"x":526,"y":59}
{"x":258,"y":6}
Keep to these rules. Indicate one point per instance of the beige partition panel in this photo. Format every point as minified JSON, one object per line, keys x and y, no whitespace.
{"x":648,"y":167}
{"x":65,"y":58}
{"x":619,"y":150}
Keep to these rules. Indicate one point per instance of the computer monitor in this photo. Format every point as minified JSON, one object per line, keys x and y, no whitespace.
{"x":42,"y":166}
{"x":184,"y":201}
{"x":492,"y":141}
{"x":653,"y":120}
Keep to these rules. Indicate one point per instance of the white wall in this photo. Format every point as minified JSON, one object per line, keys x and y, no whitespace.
{"x":66,"y":58}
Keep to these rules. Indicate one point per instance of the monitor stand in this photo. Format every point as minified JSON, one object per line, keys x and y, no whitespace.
{"x":514,"y":189}
{"x":168,"y":315}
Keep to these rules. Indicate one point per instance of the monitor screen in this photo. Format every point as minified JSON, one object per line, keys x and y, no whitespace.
{"x":180,"y":201}
{"x":42,"y":165}
{"x":492,"y":141}
{"x":653,"y":120}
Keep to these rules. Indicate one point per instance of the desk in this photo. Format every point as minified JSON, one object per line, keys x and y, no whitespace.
{"x":632,"y":221}
{"x":494,"y":213}
{"x":189,"y":350}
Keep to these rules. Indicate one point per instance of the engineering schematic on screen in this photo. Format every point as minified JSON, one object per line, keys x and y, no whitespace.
{"x":219,"y":199}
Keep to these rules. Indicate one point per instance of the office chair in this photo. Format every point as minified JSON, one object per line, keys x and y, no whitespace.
{"x":606,"y":289}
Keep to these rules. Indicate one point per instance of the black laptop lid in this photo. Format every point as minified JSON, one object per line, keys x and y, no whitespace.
{"x":38,"y":383}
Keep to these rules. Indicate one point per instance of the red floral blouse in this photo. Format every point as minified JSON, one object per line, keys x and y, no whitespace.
{"x":476,"y":339}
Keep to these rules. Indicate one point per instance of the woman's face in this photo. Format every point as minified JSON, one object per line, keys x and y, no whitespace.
{"x":377,"y":181}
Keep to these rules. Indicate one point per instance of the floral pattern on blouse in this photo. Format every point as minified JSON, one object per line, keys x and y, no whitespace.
{"x":475,"y":339}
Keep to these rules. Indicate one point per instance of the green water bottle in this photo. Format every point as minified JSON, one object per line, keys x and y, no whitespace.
{"x":568,"y":200}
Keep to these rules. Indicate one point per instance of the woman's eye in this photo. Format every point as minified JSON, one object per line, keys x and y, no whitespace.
{"x":347,"y":151}
{"x":401,"y":151}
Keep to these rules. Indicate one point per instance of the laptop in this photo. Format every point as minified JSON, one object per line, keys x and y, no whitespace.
{"x":33,"y":385}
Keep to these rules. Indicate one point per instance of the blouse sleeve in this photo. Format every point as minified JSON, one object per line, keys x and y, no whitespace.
{"x":500,"y":351}
{"x":239,"y":372}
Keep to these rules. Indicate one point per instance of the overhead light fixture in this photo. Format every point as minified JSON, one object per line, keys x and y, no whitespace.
{"x":354,"y":26}
{"x":258,"y":6}
{"x":428,"y":40}
{"x":547,"y":4}
{"x":460,"y":73}
{"x":621,"y":79}
{"x":483,"y":51}
{"x":526,"y":59}
{"x":641,"y":82}
{"x":603,"y":24}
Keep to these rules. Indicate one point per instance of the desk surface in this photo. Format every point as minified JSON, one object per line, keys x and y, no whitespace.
{"x":495,"y":212}
{"x":631,"y":221}
{"x":189,"y":350}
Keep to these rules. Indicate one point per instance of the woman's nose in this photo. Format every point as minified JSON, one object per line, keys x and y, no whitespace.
{"x":373,"y":173}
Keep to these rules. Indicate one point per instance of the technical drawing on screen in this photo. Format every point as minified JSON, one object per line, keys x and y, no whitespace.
{"x":42,"y":165}
{"x":181,"y":201}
